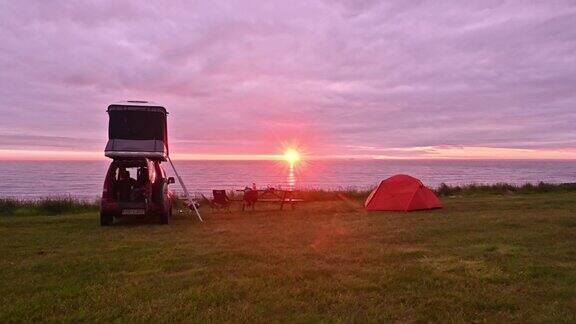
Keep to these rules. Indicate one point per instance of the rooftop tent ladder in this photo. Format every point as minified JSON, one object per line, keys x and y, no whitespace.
{"x":189,"y":202}
{"x":138,"y":129}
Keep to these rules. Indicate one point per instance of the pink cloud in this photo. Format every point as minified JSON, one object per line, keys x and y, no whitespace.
{"x":338,"y":77}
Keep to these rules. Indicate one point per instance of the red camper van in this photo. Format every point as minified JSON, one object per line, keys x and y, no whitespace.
{"x":136,"y":183}
{"x":136,"y":186}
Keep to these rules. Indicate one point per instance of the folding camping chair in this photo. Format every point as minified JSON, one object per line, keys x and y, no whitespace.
{"x":220,"y":200}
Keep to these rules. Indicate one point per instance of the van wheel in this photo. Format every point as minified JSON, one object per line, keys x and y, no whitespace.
{"x":106,"y":219}
{"x":166,"y":215}
{"x":164,"y":218}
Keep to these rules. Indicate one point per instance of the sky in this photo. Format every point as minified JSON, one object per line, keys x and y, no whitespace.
{"x":335,"y":79}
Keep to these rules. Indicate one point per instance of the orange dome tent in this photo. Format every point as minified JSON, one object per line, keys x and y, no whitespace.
{"x":401,"y":193}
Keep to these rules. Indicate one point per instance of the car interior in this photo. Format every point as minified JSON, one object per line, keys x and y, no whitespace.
{"x":130,"y":183}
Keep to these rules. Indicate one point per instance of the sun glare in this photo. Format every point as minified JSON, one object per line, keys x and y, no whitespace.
{"x":291,"y":155}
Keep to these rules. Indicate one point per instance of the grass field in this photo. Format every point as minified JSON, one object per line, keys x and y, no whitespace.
{"x":484,"y":258}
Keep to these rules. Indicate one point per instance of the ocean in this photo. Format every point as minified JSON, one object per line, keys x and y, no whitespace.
{"x":84,"y":179}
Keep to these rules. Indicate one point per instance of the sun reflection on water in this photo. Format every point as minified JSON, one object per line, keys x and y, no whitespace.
{"x":291,"y":180}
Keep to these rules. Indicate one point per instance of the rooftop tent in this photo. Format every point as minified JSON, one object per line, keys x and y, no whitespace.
{"x":402,"y":193}
{"x":137,"y":129}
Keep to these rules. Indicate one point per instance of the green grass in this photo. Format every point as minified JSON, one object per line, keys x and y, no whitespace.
{"x":482,"y":258}
{"x":504,"y":189}
{"x":46,"y":206}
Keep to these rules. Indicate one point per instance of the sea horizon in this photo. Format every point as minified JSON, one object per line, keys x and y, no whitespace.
{"x":308,"y":159}
{"x":84,"y":178}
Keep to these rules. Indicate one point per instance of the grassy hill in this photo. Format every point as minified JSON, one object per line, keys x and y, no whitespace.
{"x":487,"y":257}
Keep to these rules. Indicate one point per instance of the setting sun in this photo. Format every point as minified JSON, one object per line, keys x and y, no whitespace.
{"x":291,"y":155}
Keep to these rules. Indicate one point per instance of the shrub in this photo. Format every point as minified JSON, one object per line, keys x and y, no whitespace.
{"x":504,"y":188}
{"x":46,"y":206}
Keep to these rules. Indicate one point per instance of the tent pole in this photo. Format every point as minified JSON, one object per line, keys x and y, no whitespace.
{"x":186,"y":194}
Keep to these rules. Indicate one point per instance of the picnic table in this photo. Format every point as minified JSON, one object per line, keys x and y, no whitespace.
{"x":272,"y":195}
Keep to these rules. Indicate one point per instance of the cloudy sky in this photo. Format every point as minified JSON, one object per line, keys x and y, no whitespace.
{"x":413,"y":79}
